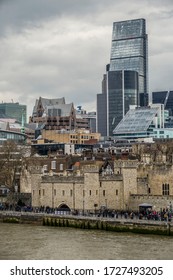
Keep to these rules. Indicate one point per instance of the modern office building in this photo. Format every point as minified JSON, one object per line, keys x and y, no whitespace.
{"x":122,"y":92}
{"x":164,"y":97}
{"x":89,"y":116}
{"x":129,"y":49}
{"x":142,"y":122}
{"x":102,"y":114}
{"x":126,"y":79}
{"x":101,"y":107}
{"x":14,"y":110}
{"x":6,"y":134}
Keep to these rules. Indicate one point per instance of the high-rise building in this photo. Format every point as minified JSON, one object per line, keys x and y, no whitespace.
{"x":122,"y":87}
{"x":126,"y":80}
{"x":101,"y":107}
{"x":101,"y":114}
{"x":13,"y":110}
{"x":129,"y":49}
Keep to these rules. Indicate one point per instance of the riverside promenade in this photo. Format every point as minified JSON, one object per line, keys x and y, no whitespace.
{"x":135,"y":225}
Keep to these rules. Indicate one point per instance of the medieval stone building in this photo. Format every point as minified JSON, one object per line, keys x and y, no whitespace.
{"x":88,"y":185}
{"x":124,"y":187}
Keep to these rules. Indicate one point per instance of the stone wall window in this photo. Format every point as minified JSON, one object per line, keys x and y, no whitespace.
{"x":45,"y":167}
{"x":39,"y":192}
{"x":43,"y":192}
{"x":63,"y":192}
{"x":116,"y":192}
{"x":53,"y":164}
{"x":96,"y":192}
{"x":54,"y":192}
{"x":165,"y":189}
{"x":90,"y":192}
{"x":71,"y":192}
{"x":104,"y":192}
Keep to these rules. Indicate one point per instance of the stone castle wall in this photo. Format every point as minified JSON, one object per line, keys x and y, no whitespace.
{"x":131,"y":184}
{"x":158,"y":202}
{"x":88,"y":192}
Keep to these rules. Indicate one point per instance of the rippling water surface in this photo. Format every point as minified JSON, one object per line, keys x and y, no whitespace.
{"x":37,"y":242}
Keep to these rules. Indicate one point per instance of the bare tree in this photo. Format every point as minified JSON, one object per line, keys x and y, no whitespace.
{"x":10,"y":163}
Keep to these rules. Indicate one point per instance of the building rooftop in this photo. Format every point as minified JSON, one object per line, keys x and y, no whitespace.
{"x":47,"y":102}
{"x":138,"y":120}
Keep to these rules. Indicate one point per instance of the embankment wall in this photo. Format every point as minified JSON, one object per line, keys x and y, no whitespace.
{"x":121,"y":225}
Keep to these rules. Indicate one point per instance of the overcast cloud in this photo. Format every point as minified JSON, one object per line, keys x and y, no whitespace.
{"x":55,"y":48}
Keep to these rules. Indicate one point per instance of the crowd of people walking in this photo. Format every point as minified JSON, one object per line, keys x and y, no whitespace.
{"x":143,"y":214}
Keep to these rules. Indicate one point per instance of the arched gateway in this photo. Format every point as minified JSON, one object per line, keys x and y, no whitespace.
{"x":62,"y":209}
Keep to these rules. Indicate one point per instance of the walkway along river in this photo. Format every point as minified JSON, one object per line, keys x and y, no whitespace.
{"x":94,"y":223}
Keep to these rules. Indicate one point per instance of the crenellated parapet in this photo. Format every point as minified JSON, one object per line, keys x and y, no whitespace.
{"x":91,"y":169}
{"x":35,"y":169}
{"x":63,"y":179}
{"x":126,"y":163}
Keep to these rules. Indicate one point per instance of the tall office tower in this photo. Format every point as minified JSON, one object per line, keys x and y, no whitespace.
{"x":101,"y":107}
{"x":126,"y":80}
{"x":122,"y":87}
{"x":129,"y":49}
{"x":14,"y":110}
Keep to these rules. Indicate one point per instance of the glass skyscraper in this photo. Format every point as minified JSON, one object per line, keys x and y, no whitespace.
{"x":13,"y":110}
{"x":122,"y":88}
{"x":126,"y":81}
{"x":129,"y":49}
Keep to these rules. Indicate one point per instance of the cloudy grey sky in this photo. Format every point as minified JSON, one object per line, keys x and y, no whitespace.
{"x":59,"y":48}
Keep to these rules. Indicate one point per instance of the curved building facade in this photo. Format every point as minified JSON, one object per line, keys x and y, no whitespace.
{"x":17,"y":137}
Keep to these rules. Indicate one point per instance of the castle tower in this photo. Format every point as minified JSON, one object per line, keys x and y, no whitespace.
{"x":128,"y":170}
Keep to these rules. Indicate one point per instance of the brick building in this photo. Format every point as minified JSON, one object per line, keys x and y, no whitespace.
{"x":55,"y":114}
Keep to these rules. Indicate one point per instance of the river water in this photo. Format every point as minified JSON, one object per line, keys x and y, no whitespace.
{"x":21,"y":242}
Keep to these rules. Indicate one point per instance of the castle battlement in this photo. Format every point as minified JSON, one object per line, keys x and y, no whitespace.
{"x":126,"y":163}
{"x":91,"y":169}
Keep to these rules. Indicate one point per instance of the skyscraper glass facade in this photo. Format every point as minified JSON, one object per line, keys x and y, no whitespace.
{"x":130,"y":49}
{"x":141,"y":122}
{"x":122,"y":92}
{"x":126,"y":82}
{"x":14,"y":110}
{"x":102,"y":114}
